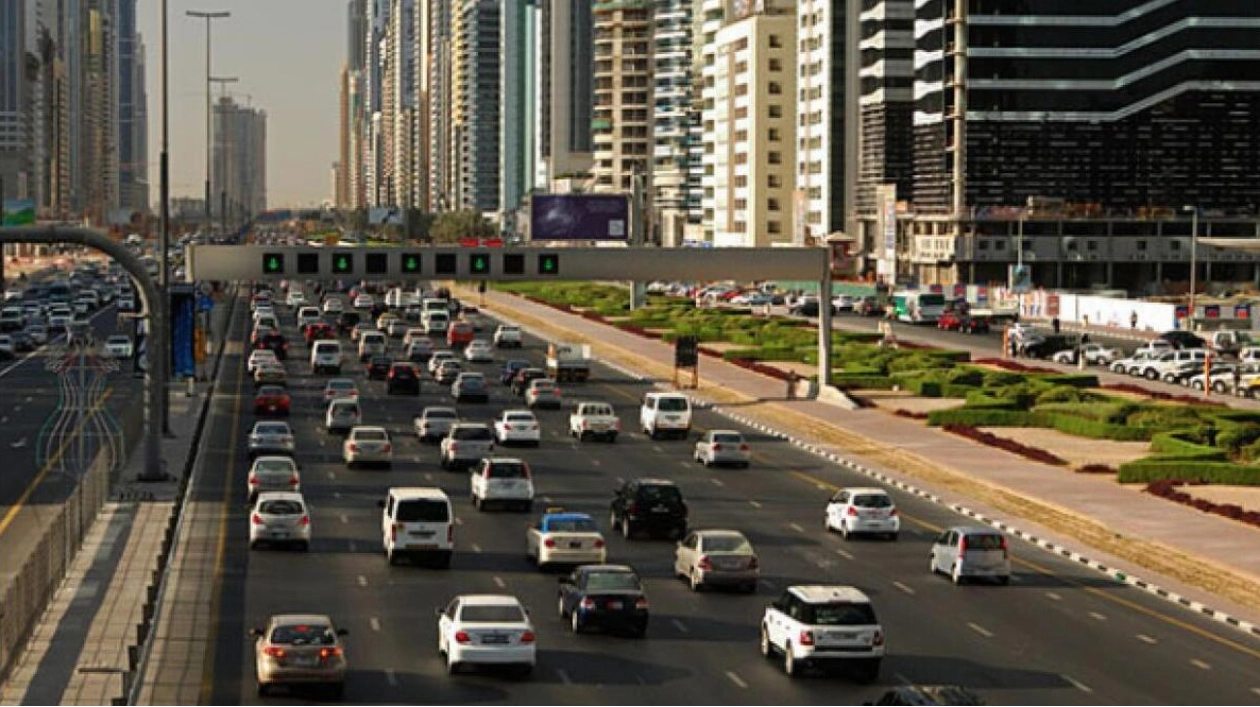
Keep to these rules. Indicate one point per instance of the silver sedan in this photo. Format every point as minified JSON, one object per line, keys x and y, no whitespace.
{"x":717,"y":557}
{"x":722,"y":447}
{"x":270,"y":437}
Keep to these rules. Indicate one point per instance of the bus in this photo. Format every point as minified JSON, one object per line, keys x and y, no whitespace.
{"x":918,"y":307}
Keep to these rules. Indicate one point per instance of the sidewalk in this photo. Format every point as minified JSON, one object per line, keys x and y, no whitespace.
{"x":1203,"y":557}
{"x":86,"y":643}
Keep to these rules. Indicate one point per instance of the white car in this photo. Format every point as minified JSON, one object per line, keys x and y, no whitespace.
{"x":504,"y":481}
{"x":437,"y":358}
{"x":508,"y":335}
{"x":295,"y":298}
{"x":512,"y":426}
{"x":342,"y":415}
{"x":258,"y":356}
{"x":38,"y":334}
{"x":964,"y":552}
{"x":823,"y":625}
{"x":118,"y":346}
{"x":271,"y":437}
{"x":722,"y":447}
{"x":272,"y":473}
{"x":594,"y":419}
{"x":478,"y":351}
{"x":414,"y":334}
{"x":367,"y":445}
{"x":433,"y":423}
{"x":6,"y":346}
{"x":307,"y":315}
{"x":280,"y":518}
{"x":565,"y":538}
{"x":364,"y":302}
{"x":1094,"y":354}
{"x":418,"y":521}
{"x":341,"y":388}
{"x":486,"y":629}
{"x":858,"y":511}
{"x":333,"y":305}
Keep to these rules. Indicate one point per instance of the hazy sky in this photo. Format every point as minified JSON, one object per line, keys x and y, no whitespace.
{"x":287,"y":54}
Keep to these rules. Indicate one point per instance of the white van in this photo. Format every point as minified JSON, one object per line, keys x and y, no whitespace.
{"x":418,"y":521}
{"x":435,"y":321}
{"x":434,"y":304}
{"x":372,"y":343}
{"x":326,"y":357}
{"x":669,"y":413}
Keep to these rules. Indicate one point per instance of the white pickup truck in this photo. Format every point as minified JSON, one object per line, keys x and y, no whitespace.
{"x":569,"y":362}
{"x":594,"y":419}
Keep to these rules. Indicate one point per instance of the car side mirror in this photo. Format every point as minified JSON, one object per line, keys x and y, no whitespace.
{"x":438,"y":611}
{"x":563,"y":581}
{"x":343,"y":632}
{"x":380,"y":504}
{"x":255,"y":633}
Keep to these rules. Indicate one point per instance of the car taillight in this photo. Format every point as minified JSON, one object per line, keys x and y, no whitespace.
{"x":617,"y":424}
{"x":588,"y":603}
{"x":274,"y":651}
{"x":253,"y":481}
{"x":353,"y":447}
{"x":743,"y":448}
{"x":962,"y":545}
{"x":585,"y":424}
{"x":527,"y":637}
{"x":892,"y":512}
{"x":806,"y":638}
{"x":752,"y":563}
{"x":717,"y":447}
{"x":704,"y":563}
{"x":599,"y":544}
{"x":462,"y":637}
{"x":454,"y":447}
{"x":878,"y":638}
{"x":258,"y":520}
{"x":306,"y":520}
{"x":852,"y":511}
{"x":450,"y":533}
{"x":387,"y":448}
{"x":632,"y":508}
{"x":1005,"y":550}
{"x":549,"y":542}
{"x":293,"y":480}
{"x":641,"y":603}
{"x":393,"y":530}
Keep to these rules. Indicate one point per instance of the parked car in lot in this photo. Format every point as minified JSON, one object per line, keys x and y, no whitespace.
{"x":707,"y":558}
{"x":490,"y":630}
{"x":966,"y":552}
{"x":862,"y":511}
{"x":609,"y":597}
{"x":1154,"y":369}
{"x":824,"y":626}
{"x":966,"y":323}
{"x":722,"y":447}
{"x":502,"y":481}
{"x":1095,"y":354}
{"x":1183,"y":339}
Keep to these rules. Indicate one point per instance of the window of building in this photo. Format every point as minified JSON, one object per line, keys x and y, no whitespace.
{"x":741,"y":158}
{"x":1070,"y":245}
{"x":774,"y":181}
{"x":775,"y":111}
{"x":1141,"y":245}
{"x":742,"y":112}
{"x":775,"y":88}
{"x":742,"y":43}
{"x":999,"y":245}
{"x":741,"y":135}
{"x":982,"y":244}
{"x":741,"y":204}
{"x":776,"y":65}
{"x":774,"y":157}
{"x":775,"y":42}
{"x":1174,"y":245}
{"x":741,"y":181}
{"x":773,"y":134}
{"x":773,"y":227}
{"x":741,"y":89}
{"x":772,"y":204}
{"x":739,"y":226}
{"x":1091,"y":246}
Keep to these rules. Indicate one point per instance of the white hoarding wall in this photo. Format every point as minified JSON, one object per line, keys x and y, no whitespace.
{"x":1097,"y":310}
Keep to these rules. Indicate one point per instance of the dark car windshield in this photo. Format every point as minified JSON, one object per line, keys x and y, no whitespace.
{"x":492,"y":614}
{"x":611,"y":581}
{"x":422,"y":511}
{"x":838,"y":614}
{"x":874,"y":500}
{"x":660,"y":494}
{"x":472,"y":433}
{"x":571,"y":525}
{"x":508,"y":470}
{"x":672,"y":404}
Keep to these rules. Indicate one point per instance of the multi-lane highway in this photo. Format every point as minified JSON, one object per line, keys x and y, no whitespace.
{"x":1058,"y":634}
{"x":29,"y":396}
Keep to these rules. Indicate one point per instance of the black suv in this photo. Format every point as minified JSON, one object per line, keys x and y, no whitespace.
{"x":347,"y":320}
{"x":402,"y":378}
{"x":520,"y":383}
{"x":653,"y":505}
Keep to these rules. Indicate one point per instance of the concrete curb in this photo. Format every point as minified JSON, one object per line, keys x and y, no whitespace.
{"x":1061,"y":550}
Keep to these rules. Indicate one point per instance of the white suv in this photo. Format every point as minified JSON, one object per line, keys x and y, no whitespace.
{"x":418,"y":520}
{"x":507,"y":335}
{"x":818,"y":625}
{"x":1169,"y":362}
{"x":665,"y":412}
{"x":502,"y":480}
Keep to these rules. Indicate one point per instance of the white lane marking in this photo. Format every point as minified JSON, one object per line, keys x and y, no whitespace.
{"x":332,"y":476}
{"x":657,"y":448}
{"x":797,"y":527}
{"x":717,"y":482}
{"x":1146,"y":639}
{"x":621,"y":480}
{"x":375,"y":623}
{"x":476,"y":547}
{"x":498,"y":582}
{"x":596,"y":462}
{"x":428,"y":477}
{"x":17,"y":408}
{"x":980,"y":629}
{"x":459,"y":521}
{"x":3,"y":420}
{"x":321,"y":443}
{"x":564,"y":677}
{"x":391,"y":678}
{"x":754,"y":504}
{"x":680,"y":626}
{"x":1053,"y":597}
{"x":904,"y":587}
{"x":844,"y":553}
{"x":1256,"y":690}
{"x":416,"y":459}
{"x":1097,"y":616}
{"x":546,"y":499}
{"x":1078,"y":684}
{"x":1200,"y":664}
{"x":362,"y":581}
{"x":736,"y":679}
{"x":639,"y":679}
{"x":345,"y":518}
{"x":768,"y":584}
{"x":354,"y":547}
{"x":29,"y":398}
{"x":685,"y":464}
{"x":902,"y":679}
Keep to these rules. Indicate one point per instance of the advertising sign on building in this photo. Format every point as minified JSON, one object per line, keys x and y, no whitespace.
{"x":886,"y":250}
{"x":1212,"y":311}
{"x":579,"y":217}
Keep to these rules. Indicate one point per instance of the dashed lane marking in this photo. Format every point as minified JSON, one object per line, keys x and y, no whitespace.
{"x":362,"y":581}
{"x":1147,"y":639}
{"x":564,"y":677}
{"x":657,"y":448}
{"x":498,"y":582}
{"x":428,"y":477}
{"x":1078,"y":684}
{"x":1097,"y":616}
{"x":344,"y":518}
{"x":354,"y":547}
{"x":375,"y":623}
{"x":391,"y":678}
{"x":980,"y":629}
{"x":332,"y":476}
{"x":459,"y":521}
{"x":844,"y":553}
{"x":904,"y":587}
{"x":476,"y":547}
{"x":680,"y":626}
{"x":769,"y":585}
{"x":737,"y":680}
{"x":717,"y":482}
{"x":336,"y":494}
{"x":596,"y":462}
{"x":1053,"y":596}
{"x":797,"y":527}
{"x":1200,"y":664}
{"x":754,"y":504}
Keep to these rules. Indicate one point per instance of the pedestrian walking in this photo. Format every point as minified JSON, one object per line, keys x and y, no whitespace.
{"x":1054,"y":324}
{"x":1133,"y":320}
{"x":793,"y":379}
{"x":1237,"y":380}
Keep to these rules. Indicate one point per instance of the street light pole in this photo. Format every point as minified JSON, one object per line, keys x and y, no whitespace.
{"x":1194,"y":258}
{"x":208,"y":17}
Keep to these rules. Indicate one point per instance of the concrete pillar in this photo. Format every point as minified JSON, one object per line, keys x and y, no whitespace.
{"x":824,"y":328}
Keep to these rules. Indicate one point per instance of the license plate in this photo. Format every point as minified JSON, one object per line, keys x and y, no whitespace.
{"x":575,"y":545}
{"x":422,"y":533}
{"x":304,"y":661}
{"x":614,"y":605}
{"x":423,"y":546}
{"x":279,"y":535}
{"x":660,"y":509}
{"x":841,"y":636}
{"x":495,"y":638}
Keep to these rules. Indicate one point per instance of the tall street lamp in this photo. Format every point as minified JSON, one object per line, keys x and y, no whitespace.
{"x":208,"y":17}
{"x":1194,"y":257}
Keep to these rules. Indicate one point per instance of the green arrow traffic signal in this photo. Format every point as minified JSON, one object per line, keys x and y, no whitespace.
{"x":548,"y":264}
{"x":480,"y":264}
{"x":273,"y":263}
{"x":343,"y":263}
{"x":411,"y":262}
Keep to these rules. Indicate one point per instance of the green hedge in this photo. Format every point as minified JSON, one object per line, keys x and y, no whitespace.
{"x":1094,"y":429}
{"x":1076,"y":380}
{"x":1170,"y":446}
{"x":848,"y":380}
{"x":990,"y":417}
{"x":1212,"y":472}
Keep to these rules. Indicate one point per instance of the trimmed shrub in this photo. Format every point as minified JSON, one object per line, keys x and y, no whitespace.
{"x":1212,"y":472}
{"x":966,"y":376}
{"x":1163,"y":417}
{"x":1063,"y":394}
{"x":847,"y":380}
{"x":1095,"y":429}
{"x":1176,"y":446}
{"x":1233,"y":436}
{"x":918,"y":362}
{"x":990,"y":417}
{"x":1076,"y":380}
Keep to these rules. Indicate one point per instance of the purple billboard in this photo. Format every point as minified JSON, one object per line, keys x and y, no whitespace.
{"x":579,"y":217}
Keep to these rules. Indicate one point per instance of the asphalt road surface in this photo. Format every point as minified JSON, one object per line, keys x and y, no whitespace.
{"x":1059,"y":634}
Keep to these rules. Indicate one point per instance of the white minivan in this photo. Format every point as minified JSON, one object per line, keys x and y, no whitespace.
{"x":667,"y":413}
{"x":326,"y":357}
{"x":418,"y":521}
{"x":435,"y":321}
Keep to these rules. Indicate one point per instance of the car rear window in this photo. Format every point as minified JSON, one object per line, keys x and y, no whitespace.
{"x":281,"y":508}
{"x":372,"y":435}
{"x":341,"y":385}
{"x":838,"y":614}
{"x":984,"y":541}
{"x":273,"y":428}
{"x":520,"y":417}
{"x":304,"y":635}
{"x":422,"y":510}
{"x":402,"y":371}
{"x":672,"y":404}
{"x":508,"y":470}
{"x":603,"y":410}
{"x":611,"y":581}
{"x":660,"y":494}
{"x":571,"y":525}
{"x":872,"y":500}
{"x":440,"y":414}
{"x":476,"y":614}
{"x":472,"y":433}
{"x":274,"y":465}
{"x":729,"y":439}
{"x":727,"y":543}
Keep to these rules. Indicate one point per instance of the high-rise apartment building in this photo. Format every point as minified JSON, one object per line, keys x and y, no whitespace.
{"x":826,"y":144}
{"x":17,"y":158}
{"x":754,"y":123}
{"x":622,"y":114}
{"x":238,"y":175}
{"x":519,"y":25}
{"x":480,"y":108}
{"x":133,"y":180}
{"x":676,"y":124}
{"x":441,"y":105}
{"x":566,"y":93}
{"x":886,"y":103}
{"x":709,"y":20}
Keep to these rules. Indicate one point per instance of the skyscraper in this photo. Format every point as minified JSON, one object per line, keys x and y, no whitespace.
{"x":478,"y":69}
{"x":676,"y":123}
{"x":621,"y":118}
{"x":133,"y":158}
{"x":826,"y":141}
{"x":566,"y":90}
{"x":886,"y":102}
{"x":16,"y":164}
{"x":239,"y":168}
{"x":519,"y":37}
